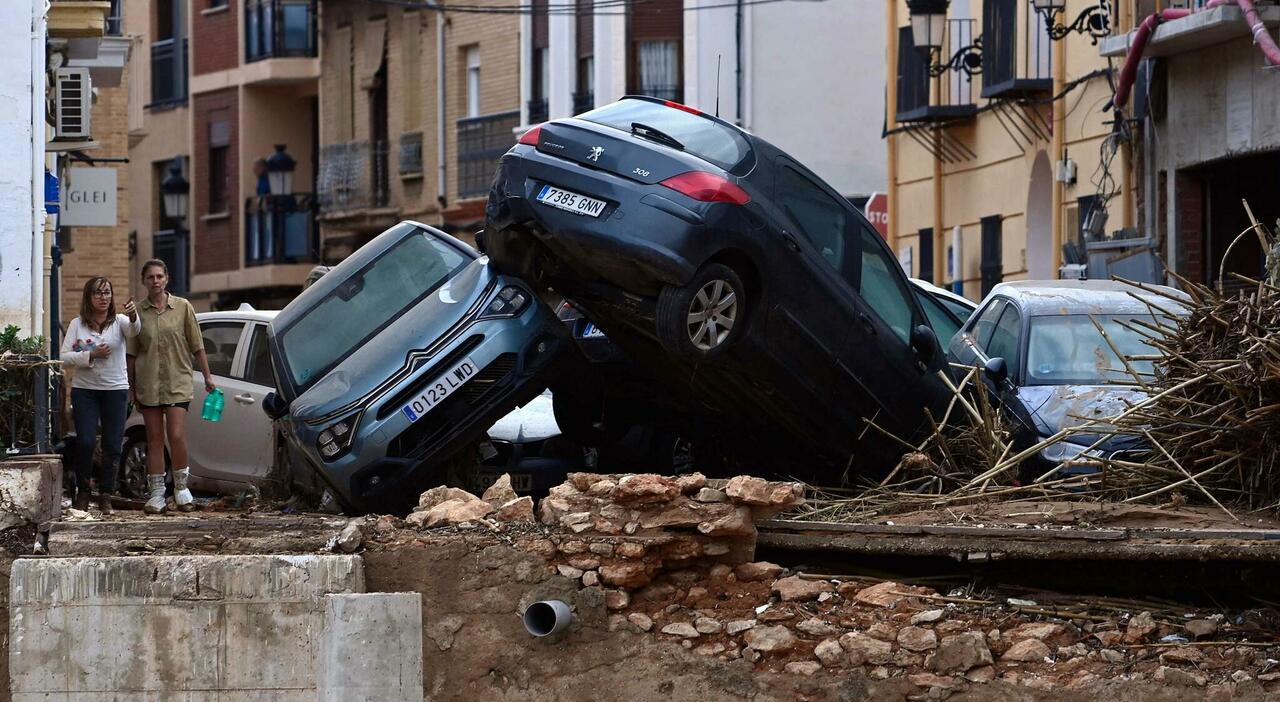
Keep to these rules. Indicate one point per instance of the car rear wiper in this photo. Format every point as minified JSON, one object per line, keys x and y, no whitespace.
{"x":647,"y":132}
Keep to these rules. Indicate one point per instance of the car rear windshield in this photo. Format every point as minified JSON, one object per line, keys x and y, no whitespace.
{"x":705,"y":138}
{"x":365,"y":303}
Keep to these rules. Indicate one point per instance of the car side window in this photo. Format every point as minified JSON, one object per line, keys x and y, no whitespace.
{"x":1004,"y":339}
{"x":821,"y":218}
{"x":881,"y":285}
{"x":257,"y":369}
{"x":220,"y":341}
{"x":943,"y":321}
{"x":986,"y":324}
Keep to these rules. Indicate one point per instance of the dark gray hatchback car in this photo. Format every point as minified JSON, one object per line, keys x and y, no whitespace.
{"x":762,"y":299}
{"x":401,"y":355}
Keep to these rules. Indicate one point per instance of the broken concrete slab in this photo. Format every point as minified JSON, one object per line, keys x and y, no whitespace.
{"x":32,"y":490}
{"x":238,"y":624}
{"x":371,"y":650}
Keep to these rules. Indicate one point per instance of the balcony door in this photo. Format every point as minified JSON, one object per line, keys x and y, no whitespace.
{"x":655,"y":61}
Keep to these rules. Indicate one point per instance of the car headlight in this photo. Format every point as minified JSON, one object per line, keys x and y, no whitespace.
{"x":1061,"y":451}
{"x":509,"y":302}
{"x":336,"y":438}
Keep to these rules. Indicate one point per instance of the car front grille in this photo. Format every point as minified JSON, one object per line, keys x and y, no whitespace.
{"x":474,"y":397}
{"x":398,"y":400}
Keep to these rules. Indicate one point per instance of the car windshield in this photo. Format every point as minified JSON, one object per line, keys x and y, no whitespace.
{"x":1069,"y":350}
{"x":365,"y":303}
{"x":705,"y":138}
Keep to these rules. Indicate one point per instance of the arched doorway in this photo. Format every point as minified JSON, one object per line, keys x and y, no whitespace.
{"x":1040,"y":220}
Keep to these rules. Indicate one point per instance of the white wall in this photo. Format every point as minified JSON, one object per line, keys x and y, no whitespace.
{"x":709,"y":34}
{"x":816,"y":87}
{"x":17,"y":155}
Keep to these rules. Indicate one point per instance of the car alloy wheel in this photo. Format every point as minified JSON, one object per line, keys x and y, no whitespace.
{"x":133,"y":468}
{"x":711,"y":314}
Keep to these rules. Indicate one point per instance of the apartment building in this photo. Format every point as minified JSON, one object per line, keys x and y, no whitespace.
{"x":416,"y":106}
{"x":223,"y":85}
{"x":1002,"y":154}
{"x":771,"y":68}
{"x":1205,"y":105}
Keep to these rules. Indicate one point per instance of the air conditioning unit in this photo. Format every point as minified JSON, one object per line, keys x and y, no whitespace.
{"x":73,"y":103}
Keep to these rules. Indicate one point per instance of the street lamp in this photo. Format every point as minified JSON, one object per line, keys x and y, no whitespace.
{"x":928,"y":23}
{"x":280,"y":167}
{"x":176,"y":191}
{"x":1094,"y":20}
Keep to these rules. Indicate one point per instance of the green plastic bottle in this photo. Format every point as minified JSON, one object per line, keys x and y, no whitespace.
{"x":213,"y":404}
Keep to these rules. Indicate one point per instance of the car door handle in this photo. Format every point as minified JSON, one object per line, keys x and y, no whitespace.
{"x":867,"y":323}
{"x":791,"y":242}
{"x":245,"y":399}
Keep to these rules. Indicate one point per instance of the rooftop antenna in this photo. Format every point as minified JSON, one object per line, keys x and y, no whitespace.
{"x":718,"y":57}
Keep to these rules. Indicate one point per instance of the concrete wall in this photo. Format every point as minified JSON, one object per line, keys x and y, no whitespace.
{"x":17,"y":142}
{"x":206,"y":628}
{"x":815,"y":86}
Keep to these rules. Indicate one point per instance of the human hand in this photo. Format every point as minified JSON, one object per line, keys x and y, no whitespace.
{"x":131,"y":310}
{"x":208,"y":384}
{"x":100,"y":351}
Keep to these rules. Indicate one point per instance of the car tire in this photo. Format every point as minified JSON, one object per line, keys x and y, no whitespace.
{"x":131,"y":475}
{"x":704,"y":317}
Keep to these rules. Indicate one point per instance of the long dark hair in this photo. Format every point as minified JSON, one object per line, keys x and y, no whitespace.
{"x":86,"y":303}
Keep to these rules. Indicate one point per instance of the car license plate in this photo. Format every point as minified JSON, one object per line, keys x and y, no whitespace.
{"x":571,"y":202}
{"x":521,"y":483}
{"x":591,"y":331}
{"x":442,"y":387}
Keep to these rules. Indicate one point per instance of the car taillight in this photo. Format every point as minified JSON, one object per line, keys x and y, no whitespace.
{"x":707,"y":187}
{"x":686,"y":108}
{"x":530,"y":138}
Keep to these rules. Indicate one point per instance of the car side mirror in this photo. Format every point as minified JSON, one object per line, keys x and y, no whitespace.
{"x":996,"y":370}
{"x":925,"y":344}
{"x":274,"y":406}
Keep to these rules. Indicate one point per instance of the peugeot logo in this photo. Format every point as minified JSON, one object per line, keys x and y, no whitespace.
{"x":595,"y":153}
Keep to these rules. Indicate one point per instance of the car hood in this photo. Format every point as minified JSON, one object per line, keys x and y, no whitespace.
{"x":533,"y":422}
{"x":369,"y":366}
{"x":1057,"y":407}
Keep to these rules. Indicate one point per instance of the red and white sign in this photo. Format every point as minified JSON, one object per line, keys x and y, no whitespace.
{"x":877,"y":212}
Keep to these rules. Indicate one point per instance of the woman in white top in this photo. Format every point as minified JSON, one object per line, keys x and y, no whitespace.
{"x":95,"y":347}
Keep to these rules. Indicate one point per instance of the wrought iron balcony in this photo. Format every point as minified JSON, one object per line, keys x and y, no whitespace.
{"x":279,"y":29}
{"x":1016,"y":50}
{"x":168,"y":73}
{"x":481,"y":142}
{"x":584,"y":102}
{"x":353,"y":176}
{"x":925,"y":98}
{"x":115,"y":19}
{"x":537,"y":111}
{"x":280,"y":229}
{"x":674,"y":93}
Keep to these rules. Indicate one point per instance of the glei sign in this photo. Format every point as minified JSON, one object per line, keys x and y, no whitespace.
{"x":89,"y":198}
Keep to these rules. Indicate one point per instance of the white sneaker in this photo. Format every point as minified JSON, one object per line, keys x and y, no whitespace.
{"x":181,"y":495}
{"x":155,"y":502}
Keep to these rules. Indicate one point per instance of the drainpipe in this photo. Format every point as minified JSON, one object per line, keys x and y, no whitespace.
{"x":891,"y":112}
{"x":1059,"y":150}
{"x":39,"y":29}
{"x":737,"y":110}
{"x":442,"y":171}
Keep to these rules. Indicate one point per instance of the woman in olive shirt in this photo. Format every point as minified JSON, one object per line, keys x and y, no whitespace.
{"x":160,"y":378}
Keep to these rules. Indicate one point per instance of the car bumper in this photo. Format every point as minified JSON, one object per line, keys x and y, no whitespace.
{"x":392,"y":459}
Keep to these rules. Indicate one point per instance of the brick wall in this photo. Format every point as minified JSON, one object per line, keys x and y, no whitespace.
{"x":215,"y":240}
{"x":215,"y":39}
{"x":1190,"y":226}
{"x":103,"y":250}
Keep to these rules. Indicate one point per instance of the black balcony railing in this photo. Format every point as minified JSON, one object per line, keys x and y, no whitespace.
{"x":1016,"y":50}
{"x":280,"y":229}
{"x":537,"y":111}
{"x":584,"y":102}
{"x":923,"y":98}
{"x":279,"y":29}
{"x":115,"y":19}
{"x":353,"y":176}
{"x":481,"y":142}
{"x":168,"y":73}
{"x":411,"y":153}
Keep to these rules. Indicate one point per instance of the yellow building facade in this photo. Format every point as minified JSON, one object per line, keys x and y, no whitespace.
{"x":1006,"y":162}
